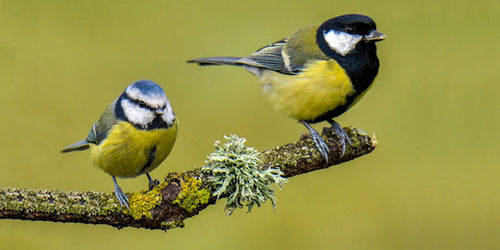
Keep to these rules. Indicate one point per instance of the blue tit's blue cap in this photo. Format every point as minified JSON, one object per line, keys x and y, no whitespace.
{"x":147,"y":87}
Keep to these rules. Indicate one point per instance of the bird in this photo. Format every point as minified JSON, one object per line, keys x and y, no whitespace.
{"x":317,"y":73}
{"x":134,"y":134}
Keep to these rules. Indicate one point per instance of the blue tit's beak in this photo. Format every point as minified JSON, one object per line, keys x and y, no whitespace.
{"x":159,"y":112}
{"x":374,"y":36}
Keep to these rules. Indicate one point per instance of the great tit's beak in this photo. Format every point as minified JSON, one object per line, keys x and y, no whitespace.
{"x":374,"y":36}
{"x":159,"y":112}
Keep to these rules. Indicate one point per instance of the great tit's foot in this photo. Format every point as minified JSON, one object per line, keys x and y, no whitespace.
{"x":344,"y":139}
{"x":152,"y":182}
{"x":122,"y":197}
{"x":320,"y":143}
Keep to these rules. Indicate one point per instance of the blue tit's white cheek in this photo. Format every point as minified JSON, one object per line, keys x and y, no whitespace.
{"x":341,"y":42}
{"x":168,"y":116}
{"x":136,"y":114}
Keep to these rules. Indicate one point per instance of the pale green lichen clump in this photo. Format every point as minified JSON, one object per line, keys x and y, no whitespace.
{"x":235,"y":172}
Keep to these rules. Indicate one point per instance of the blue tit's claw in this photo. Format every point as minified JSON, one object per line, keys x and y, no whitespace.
{"x":152,"y":182}
{"x":320,"y":143}
{"x":122,"y":197}
{"x":344,"y":139}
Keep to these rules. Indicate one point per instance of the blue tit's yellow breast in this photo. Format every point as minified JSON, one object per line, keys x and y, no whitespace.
{"x":129,"y":152}
{"x":321,"y":87}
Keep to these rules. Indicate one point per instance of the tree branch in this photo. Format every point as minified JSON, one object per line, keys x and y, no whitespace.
{"x":180,"y":196}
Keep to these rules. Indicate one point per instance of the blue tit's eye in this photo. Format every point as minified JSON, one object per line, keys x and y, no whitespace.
{"x":349,"y":29}
{"x":142,"y":104}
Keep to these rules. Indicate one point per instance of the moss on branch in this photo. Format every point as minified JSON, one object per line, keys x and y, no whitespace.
{"x":233,"y":171}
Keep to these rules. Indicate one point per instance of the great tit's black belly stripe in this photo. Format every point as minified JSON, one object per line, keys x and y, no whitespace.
{"x":151,"y":159}
{"x":336,"y":111}
{"x":361,"y":66}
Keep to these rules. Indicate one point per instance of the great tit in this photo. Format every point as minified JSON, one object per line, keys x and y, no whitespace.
{"x":133,"y":135}
{"x":317,"y":73}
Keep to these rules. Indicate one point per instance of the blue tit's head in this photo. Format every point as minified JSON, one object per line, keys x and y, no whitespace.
{"x":341,"y":35}
{"x":145,"y":105}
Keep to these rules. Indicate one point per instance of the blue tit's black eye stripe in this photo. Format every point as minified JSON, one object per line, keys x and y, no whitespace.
{"x":140,"y":103}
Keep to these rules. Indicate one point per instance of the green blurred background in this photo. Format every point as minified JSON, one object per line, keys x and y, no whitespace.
{"x":431,"y":184}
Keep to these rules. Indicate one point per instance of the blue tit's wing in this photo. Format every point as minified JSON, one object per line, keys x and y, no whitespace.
{"x":100,"y":129}
{"x":97,"y":133}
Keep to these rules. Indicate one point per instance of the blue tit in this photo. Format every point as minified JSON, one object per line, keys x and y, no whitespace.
{"x":317,"y":73}
{"x":133,"y":135}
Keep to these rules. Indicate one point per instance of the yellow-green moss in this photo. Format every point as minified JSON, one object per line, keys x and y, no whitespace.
{"x":170,"y":225}
{"x":142,"y":202}
{"x":191,"y":196}
{"x":45,"y":201}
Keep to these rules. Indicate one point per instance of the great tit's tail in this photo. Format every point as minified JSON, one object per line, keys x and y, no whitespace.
{"x":81,"y":145}
{"x":216,"y":61}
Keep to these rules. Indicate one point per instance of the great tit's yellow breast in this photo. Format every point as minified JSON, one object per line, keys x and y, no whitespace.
{"x":321,"y":87}
{"x":128,"y":151}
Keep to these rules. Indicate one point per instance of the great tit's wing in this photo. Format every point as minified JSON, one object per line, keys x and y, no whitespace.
{"x":268,"y":57}
{"x":100,"y":129}
{"x":287,"y":56}
{"x":302,"y":48}
{"x":290,"y":55}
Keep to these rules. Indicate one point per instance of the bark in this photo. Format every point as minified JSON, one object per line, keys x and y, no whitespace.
{"x":160,"y":208}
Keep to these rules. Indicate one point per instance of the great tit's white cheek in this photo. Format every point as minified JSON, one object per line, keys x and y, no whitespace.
{"x":341,"y":42}
{"x":136,"y":114}
{"x":168,"y":116}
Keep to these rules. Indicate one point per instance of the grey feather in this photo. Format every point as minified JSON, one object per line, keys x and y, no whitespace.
{"x":268,"y":57}
{"x":101,"y":128}
{"x":216,"y":61}
{"x":98,"y":132}
{"x":81,"y":145}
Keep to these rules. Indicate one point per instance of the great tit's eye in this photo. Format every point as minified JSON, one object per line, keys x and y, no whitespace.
{"x":349,"y":29}
{"x":142,"y":104}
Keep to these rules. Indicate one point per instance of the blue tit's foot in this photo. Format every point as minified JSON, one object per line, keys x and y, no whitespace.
{"x":320,"y":143}
{"x":344,"y":139}
{"x":122,"y":197}
{"x":152,"y":182}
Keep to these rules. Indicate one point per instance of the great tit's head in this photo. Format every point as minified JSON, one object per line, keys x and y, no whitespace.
{"x":145,"y":105}
{"x":343,"y":33}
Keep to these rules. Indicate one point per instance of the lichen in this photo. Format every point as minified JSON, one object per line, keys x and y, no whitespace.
{"x":170,"y":225}
{"x":141,"y":203}
{"x":235,"y":172}
{"x":191,"y":196}
{"x":57,"y":202}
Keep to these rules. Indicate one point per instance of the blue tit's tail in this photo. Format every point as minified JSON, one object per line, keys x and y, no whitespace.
{"x":81,"y":145}
{"x":216,"y":61}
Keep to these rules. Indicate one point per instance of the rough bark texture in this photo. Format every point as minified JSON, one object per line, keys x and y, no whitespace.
{"x":162,"y":208}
